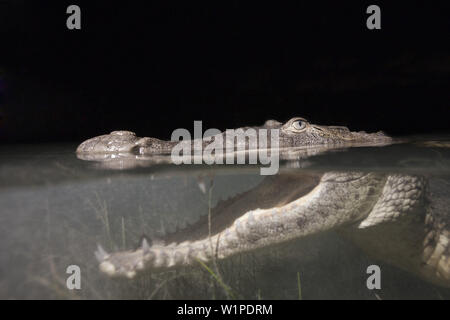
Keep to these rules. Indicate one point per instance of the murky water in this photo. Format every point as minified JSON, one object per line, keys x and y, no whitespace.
{"x":55,"y":209}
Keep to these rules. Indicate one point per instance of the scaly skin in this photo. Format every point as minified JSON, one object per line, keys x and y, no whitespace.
{"x":389,"y":215}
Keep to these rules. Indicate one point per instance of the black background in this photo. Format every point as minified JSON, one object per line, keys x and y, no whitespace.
{"x":152,"y":67}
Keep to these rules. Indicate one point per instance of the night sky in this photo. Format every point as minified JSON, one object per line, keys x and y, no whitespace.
{"x":152,"y":67}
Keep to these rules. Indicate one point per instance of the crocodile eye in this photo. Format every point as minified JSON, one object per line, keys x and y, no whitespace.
{"x":299,"y":125}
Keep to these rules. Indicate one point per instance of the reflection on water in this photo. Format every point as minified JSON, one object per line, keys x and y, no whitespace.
{"x":56,"y":208}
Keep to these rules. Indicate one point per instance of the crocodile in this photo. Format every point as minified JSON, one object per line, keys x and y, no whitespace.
{"x":402,"y":219}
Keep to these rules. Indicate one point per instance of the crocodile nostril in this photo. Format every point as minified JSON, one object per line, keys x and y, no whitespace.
{"x":123,"y":133}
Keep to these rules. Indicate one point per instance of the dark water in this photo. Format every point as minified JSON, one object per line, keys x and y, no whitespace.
{"x":55,"y":209}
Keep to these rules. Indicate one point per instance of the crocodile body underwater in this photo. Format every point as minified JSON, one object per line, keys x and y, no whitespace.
{"x":399,"y":218}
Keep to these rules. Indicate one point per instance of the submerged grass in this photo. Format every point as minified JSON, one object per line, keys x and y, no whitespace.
{"x":216,"y":275}
{"x":101,"y":211}
{"x":124,"y":242}
{"x":299,"y":286}
{"x":218,"y":279}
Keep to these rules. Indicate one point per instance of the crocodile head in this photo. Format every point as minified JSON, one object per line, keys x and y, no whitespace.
{"x":297,"y":132}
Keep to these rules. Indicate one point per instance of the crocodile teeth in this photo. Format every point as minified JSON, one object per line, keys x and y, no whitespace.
{"x":201,"y":185}
{"x":101,"y":254}
{"x":145,"y":246}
